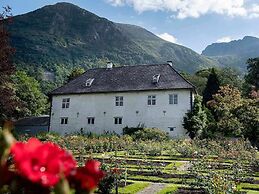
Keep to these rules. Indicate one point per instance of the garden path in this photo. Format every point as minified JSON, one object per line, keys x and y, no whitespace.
{"x":152,"y":188}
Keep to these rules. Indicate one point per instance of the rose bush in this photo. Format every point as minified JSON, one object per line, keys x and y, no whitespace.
{"x":44,"y":167}
{"x":88,"y":177}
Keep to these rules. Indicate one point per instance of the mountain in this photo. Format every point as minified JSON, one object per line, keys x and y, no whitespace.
{"x":64,"y":35}
{"x":234,"y":53}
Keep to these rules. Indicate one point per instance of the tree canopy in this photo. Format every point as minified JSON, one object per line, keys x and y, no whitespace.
{"x":77,"y":71}
{"x":9,"y":103}
{"x":28,"y":91}
{"x":212,"y":86}
{"x":251,"y":85}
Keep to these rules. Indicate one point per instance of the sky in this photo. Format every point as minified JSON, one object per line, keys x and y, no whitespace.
{"x":192,"y":23}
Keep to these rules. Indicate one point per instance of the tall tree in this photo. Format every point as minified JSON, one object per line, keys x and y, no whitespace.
{"x":212,"y":86}
{"x":252,"y":77}
{"x":223,"y":105}
{"x":9,"y":103}
{"x":195,"y":122}
{"x":28,"y":91}
{"x":248,"y":115}
{"x":230,"y":76}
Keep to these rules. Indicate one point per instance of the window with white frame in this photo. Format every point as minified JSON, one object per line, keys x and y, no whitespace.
{"x":173,"y":98}
{"x":64,"y":120}
{"x":151,"y":100}
{"x":65,"y":102}
{"x":118,"y":100}
{"x":90,"y":120}
{"x":117,"y":120}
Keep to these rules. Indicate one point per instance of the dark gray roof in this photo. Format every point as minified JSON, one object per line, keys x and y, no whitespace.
{"x":126,"y":78}
{"x":33,"y":121}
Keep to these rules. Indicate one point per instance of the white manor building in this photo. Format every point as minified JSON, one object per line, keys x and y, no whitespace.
{"x":109,"y":99}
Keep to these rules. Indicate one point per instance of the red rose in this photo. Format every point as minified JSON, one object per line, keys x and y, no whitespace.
{"x":90,"y":175}
{"x":42,"y":162}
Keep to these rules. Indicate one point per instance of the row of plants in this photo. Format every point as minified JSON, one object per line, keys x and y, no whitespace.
{"x":213,"y":162}
{"x":221,"y":148}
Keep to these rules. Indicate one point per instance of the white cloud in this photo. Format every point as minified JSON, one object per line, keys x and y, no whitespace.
{"x":193,"y":8}
{"x":254,"y":11}
{"x":224,"y":39}
{"x":168,"y":37}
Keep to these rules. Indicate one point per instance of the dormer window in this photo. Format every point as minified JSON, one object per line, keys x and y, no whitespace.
{"x":89,"y":82}
{"x":156,"y":78}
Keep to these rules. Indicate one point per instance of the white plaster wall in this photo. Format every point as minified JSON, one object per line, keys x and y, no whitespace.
{"x":102,"y":106}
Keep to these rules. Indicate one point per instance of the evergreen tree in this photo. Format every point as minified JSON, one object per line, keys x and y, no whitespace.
{"x":195,"y":122}
{"x":252,"y":77}
{"x":212,"y":87}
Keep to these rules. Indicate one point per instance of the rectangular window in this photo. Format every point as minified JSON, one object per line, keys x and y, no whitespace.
{"x":64,"y":120}
{"x":65,"y":102}
{"x":151,"y":100}
{"x":173,"y":98}
{"x":90,"y":120}
{"x":118,"y":100}
{"x":117,"y":120}
{"x":171,"y":128}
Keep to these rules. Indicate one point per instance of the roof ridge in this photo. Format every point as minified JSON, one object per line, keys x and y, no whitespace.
{"x":155,"y":64}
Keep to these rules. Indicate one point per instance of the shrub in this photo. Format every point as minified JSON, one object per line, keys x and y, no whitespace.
{"x":107,"y":184}
{"x":185,"y":148}
{"x":131,"y":130}
{"x":151,"y":134}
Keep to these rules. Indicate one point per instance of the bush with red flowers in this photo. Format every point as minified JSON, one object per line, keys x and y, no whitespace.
{"x":43,"y":167}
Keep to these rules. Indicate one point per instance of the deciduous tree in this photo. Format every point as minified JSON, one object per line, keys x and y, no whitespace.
{"x":28,"y":91}
{"x":248,"y":115}
{"x":9,"y":103}
{"x":77,"y":71}
{"x":223,"y":106}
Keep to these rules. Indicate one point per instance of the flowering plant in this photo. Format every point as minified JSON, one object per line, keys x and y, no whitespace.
{"x":43,"y":167}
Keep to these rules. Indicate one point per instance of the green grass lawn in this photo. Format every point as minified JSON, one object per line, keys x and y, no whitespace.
{"x":174,"y":164}
{"x":248,"y":186}
{"x":170,"y":188}
{"x":133,"y":188}
{"x":250,"y":192}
